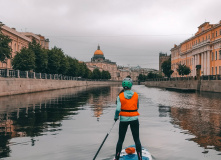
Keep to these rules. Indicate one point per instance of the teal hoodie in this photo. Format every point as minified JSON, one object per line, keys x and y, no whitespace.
{"x":127,"y":94}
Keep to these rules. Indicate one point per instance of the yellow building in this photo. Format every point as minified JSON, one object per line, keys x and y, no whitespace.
{"x":202,"y":52}
{"x":20,"y":40}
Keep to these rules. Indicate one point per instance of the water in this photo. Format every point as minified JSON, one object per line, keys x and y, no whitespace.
{"x":70,"y":124}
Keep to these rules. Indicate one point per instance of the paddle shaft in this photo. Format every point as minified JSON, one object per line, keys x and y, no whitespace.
{"x":103,"y":141}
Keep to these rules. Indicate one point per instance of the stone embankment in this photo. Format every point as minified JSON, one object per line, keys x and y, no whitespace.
{"x":12,"y":86}
{"x":187,"y":85}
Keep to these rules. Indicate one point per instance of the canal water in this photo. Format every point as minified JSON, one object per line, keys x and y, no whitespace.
{"x":70,"y":124}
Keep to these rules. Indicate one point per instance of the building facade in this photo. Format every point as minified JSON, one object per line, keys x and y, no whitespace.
{"x":117,"y":72}
{"x":98,"y":61}
{"x":20,"y":40}
{"x":201,"y":53}
{"x":162,"y":58}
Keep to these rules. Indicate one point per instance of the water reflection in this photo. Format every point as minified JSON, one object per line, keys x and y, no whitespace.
{"x":200,"y":116}
{"x":164,"y":111}
{"x":37,"y":114}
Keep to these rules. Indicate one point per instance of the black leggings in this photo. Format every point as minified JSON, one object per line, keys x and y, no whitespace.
{"x":134,"y":126}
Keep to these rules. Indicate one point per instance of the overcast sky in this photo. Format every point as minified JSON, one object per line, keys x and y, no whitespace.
{"x":130,"y":32}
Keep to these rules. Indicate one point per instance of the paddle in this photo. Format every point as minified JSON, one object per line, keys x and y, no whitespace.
{"x":103,"y":142}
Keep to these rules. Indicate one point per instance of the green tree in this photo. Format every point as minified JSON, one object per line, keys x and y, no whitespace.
{"x":53,"y":60}
{"x":24,"y":60}
{"x":5,"y":49}
{"x":142,"y":77}
{"x":152,"y":75}
{"x":41,"y":57}
{"x":73,"y":66}
{"x":81,"y":70}
{"x":96,"y":74}
{"x":87,"y":73}
{"x":105,"y":75}
{"x":84,"y":70}
{"x":166,"y":67}
{"x":64,"y":65}
{"x":183,"y":69}
{"x":57,"y":62}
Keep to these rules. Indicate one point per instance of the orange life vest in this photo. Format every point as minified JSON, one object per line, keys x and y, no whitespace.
{"x":129,"y":105}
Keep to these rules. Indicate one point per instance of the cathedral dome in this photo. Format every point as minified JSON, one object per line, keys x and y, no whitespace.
{"x":98,"y":51}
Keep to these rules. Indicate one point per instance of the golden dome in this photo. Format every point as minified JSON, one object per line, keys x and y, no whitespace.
{"x":98,"y":52}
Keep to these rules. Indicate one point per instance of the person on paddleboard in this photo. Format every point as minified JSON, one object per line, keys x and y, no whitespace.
{"x":127,"y":106}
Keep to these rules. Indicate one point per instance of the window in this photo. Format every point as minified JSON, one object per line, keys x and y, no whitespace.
{"x":219,"y":54}
{"x":220,"y":32}
{"x":220,"y":70}
{"x":212,"y":70}
{"x":212,"y":56}
{"x":216,"y":71}
{"x":216,"y":56}
{"x":216,"y":34}
{"x":209,"y":36}
{"x":212,"y":35}
{"x":206,"y":37}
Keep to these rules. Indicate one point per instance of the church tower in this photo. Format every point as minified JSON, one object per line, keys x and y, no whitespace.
{"x":98,"y":55}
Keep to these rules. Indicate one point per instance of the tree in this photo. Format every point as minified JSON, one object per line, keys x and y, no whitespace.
{"x":96,"y":74}
{"x":57,"y":62}
{"x":166,"y":66}
{"x":183,"y":69}
{"x":73,"y":66}
{"x":24,"y":60}
{"x":64,"y":65}
{"x":105,"y":75}
{"x":5,"y":49}
{"x":87,"y":73}
{"x":141,"y":77}
{"x":41,"y":57}
{"x":84,"y":70}
{"x":81,"y":70}
{"x":152,"y":75}
{"x":53,"y":61}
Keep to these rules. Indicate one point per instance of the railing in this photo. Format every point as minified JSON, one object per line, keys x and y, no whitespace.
{"x":209,"y":77}
{"x":38,"y":75}
{"x":12,"y":73}
{"x":23,"y":74}
{"x":9,"y":73}
{"x":2,"y":72}
{"x":31,"y":75}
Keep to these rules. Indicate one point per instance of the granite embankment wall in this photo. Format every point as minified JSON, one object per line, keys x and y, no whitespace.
{"x":198,"y":85}
{"x":11,"y":86}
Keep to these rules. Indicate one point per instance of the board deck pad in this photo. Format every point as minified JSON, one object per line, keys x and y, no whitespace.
{"x":145,"y":154}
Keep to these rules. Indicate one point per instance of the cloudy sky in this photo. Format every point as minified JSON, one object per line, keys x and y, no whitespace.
{"x":130,"y":32}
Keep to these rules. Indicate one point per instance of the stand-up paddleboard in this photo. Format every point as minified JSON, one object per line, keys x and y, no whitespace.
{"x":133,"y":156}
